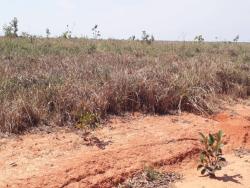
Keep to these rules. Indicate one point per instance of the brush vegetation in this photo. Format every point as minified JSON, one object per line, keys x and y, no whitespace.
{"x":70,"y":82}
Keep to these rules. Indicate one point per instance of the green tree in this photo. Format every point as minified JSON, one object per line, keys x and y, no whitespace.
{"x":95,"y":32}
{"x":11,"y":29}
{"x":47,"y":33}
{"x":147,"y":38}
{"x":132,"y":37}
{"x":67,"y":34}
{"x":199,"y":38}
{"x":236,"y":39}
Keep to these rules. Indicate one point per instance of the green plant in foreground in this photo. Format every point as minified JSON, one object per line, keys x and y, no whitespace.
{"x":211,"y":158}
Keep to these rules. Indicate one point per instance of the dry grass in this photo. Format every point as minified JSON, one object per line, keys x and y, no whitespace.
{"x":58,"y":81}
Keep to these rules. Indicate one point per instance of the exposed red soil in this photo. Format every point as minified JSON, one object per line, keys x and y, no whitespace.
{"x":123,"y":147}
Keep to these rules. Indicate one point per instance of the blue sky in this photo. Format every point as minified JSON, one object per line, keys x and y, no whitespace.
{"x":165,"y":19}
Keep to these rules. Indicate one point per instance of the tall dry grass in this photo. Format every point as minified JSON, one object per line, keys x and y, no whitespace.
{"x":61,"y":82}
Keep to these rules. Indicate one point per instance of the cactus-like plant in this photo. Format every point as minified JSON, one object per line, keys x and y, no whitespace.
{"x":211,"y":158}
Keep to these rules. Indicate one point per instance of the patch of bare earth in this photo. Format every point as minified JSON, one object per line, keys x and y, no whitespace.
{"x":118,"y":151}
{"x":235,"y":174}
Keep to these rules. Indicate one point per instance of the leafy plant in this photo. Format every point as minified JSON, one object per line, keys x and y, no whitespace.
{"x":211,"y":158}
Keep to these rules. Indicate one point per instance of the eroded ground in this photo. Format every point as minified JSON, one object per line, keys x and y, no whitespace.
{"x":123,"y":147}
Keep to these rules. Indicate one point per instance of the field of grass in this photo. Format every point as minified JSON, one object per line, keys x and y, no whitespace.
{"x":78,"y":82}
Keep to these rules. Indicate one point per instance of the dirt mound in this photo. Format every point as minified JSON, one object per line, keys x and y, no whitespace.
{"x":119,"y":150}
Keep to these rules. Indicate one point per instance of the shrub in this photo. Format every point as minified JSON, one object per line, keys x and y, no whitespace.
{"x":211,"y":158}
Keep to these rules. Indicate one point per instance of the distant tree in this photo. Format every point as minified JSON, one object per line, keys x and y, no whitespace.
{"x":7,"y":31}
{"x":47,"y":33}
{"x":199,"y":38}
{"x":152,"y":38}
{"x":132,"y":37}
{"x":147,"y":38}
{"x":11,"y":29}
{"x":236,"y":39}
{"x":67,"y":34}
{"x":95,"y":32}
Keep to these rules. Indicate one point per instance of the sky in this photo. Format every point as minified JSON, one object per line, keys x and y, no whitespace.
{"x":120,"y":19}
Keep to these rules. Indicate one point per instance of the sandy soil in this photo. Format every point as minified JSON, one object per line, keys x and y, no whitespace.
{"x":123,"y":147}
{"x":234,"y":175}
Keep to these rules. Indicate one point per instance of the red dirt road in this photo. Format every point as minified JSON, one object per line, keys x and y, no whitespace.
{"x":125,"y":146}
